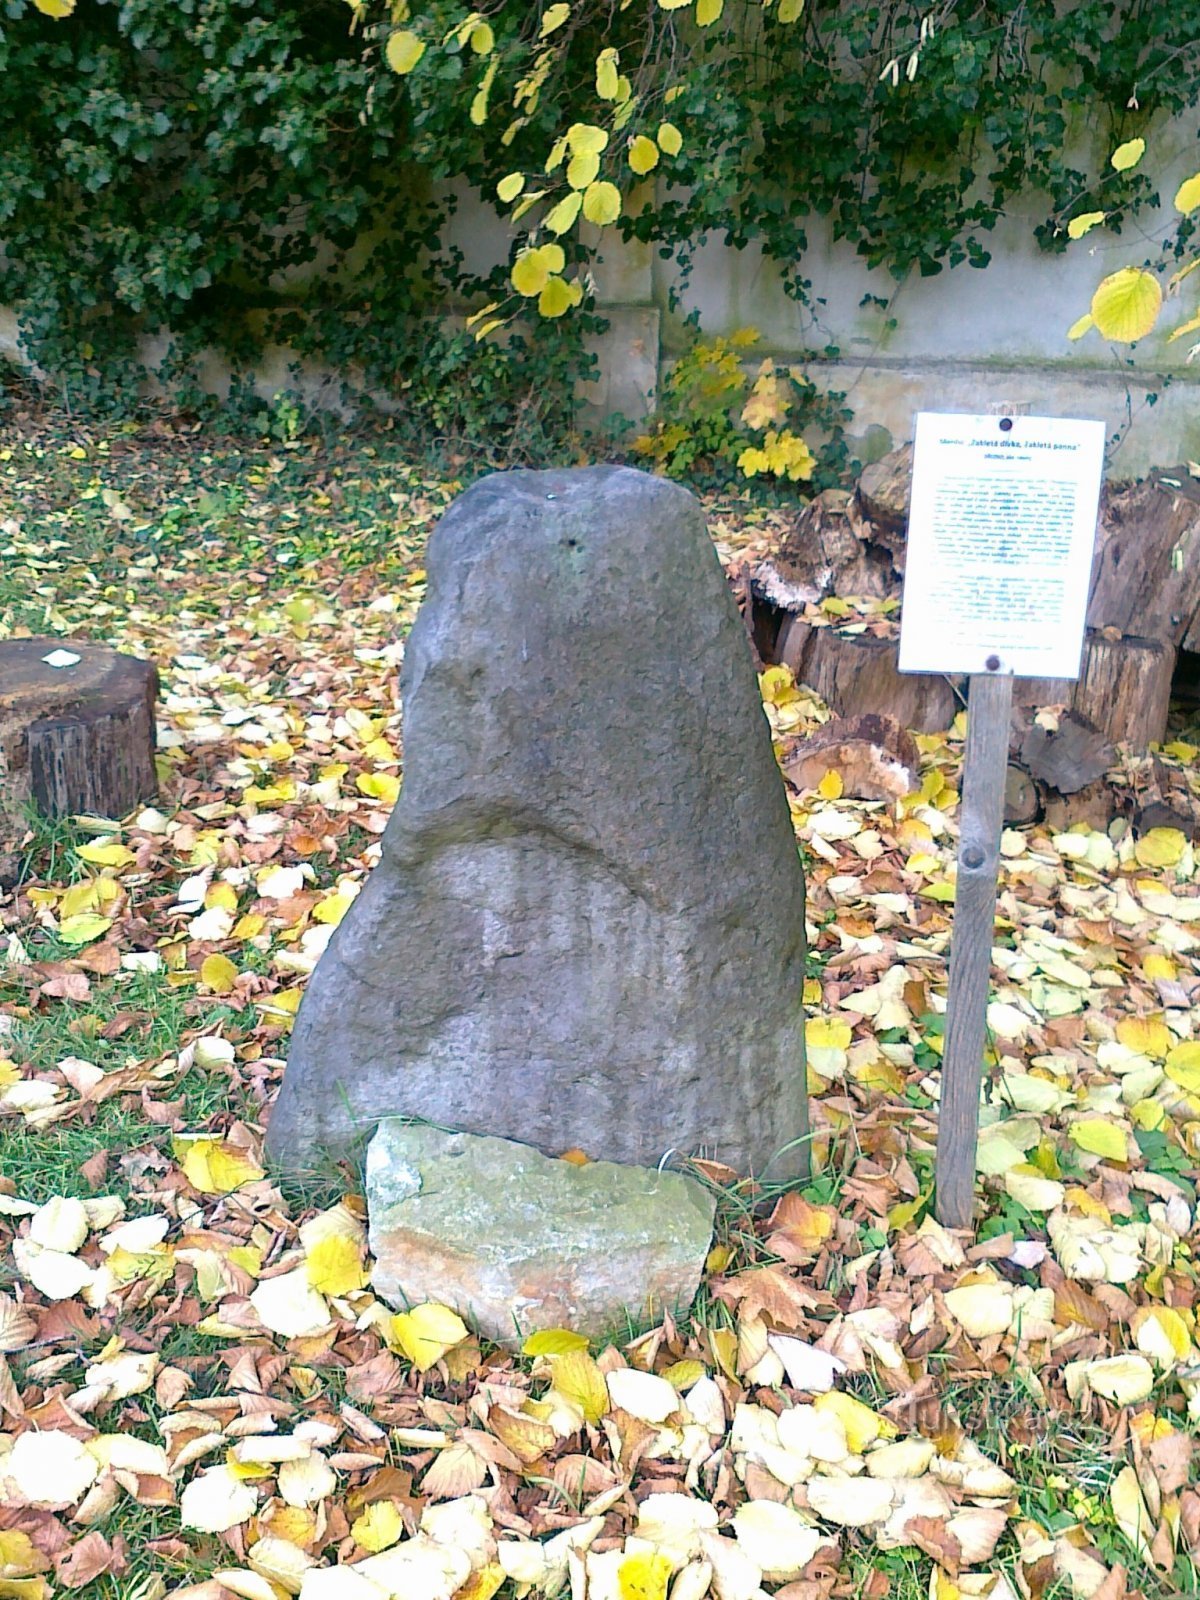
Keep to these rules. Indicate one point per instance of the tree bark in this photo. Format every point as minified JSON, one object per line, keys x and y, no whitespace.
{"x":76,"y":738}
{"x":856,"y":673}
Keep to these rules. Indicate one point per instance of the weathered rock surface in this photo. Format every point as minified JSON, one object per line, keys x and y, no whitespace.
{"x":587,"y":925}
{"x":517,"y":1241}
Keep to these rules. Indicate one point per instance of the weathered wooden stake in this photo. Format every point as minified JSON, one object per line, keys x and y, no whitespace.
{"x":989,"y":709}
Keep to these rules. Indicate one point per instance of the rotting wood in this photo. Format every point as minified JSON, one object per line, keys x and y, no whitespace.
{"x":856,"y":673}
{"x":1124,"y":686}
{"x":873,"y":755}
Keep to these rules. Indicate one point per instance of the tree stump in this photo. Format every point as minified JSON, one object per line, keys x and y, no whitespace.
{"x":1124,"y":687}
{"x":77,"y":737}
{"x":856,"y":673}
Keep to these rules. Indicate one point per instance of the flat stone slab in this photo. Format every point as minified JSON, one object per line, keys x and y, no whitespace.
{"x":586,"y":927}
{"x":517,"y":1241}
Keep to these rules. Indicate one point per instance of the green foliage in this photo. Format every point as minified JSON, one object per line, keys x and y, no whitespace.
{"x":250,"y":172}
{"x":716,"y":422}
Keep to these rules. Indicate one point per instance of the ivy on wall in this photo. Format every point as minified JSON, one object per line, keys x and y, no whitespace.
{"x":247,"y":171}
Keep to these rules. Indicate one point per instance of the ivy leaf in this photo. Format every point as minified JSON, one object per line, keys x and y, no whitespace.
{"x":670,"y":140}
{"x":643,"y":155}
{"x":552,"y":18}
{"x":1126,"y":305}
{"x":602,"y":203}
{"x":1187,"y":196}
{"x":1084,"y":223}
{"x":1127,"y":155}
{"x":403,"y":50}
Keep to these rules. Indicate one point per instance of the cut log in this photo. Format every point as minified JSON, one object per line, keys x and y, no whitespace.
{"x":1146,"y":572}
{"x":874,"y":756}
{"x":76,"y":729}
{"x":1125,"y":687}
{"x":1022,"y":802}
{"x":1163,"y":800}
{"x":1067,"y":758}
{"x":826,"y":551}
{"x":1095,"y":804}
{"x":885,"y":489}
{"x":856,"y":673}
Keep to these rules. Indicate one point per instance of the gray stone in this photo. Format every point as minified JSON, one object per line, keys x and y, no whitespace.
{"x":586,"y":928}
{"x":517,"y":1241}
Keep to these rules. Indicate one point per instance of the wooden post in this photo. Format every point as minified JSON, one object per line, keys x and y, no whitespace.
{"x":989,"y":709}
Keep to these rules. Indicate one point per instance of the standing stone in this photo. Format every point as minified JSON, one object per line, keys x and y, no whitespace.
{"x":586,"y":928}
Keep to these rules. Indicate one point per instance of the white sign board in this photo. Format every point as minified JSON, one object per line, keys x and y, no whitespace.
{"x":1001,"y":531}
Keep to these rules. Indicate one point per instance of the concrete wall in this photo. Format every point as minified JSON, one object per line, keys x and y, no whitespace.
{"x":963,"y":340}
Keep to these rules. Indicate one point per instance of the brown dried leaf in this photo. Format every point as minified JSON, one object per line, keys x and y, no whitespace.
{"x":87,"y":1559}
{"x":17,"y":1327}
{"x":456,"y":1471}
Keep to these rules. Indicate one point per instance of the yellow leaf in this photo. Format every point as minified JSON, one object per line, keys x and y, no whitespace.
{"x":790,"y":10}
{"x":482,"y":39}
{"x":579,"y":1379}
{"x":831,"y":786}
{"x":602,"y":203}
{"x":670,"y":140}
{"x":1128,"y":155}
{"x":105,"y":855}
{"x":1149,"y":1036}
{"x":582,"y":169}
{"x":1183,"y":1065}
{"x":426,"y":1332}
{"x":1159,"y":968}
{"x":863,"y":1426}
{"x":510,"y":187}
{"x":1101,"y":1138}
{"x":673,"y":5}
{"x":1187,"y":196}
{"x":724,"y":1346}
{"x":221,"y":896}
{"x":1126,"y":305}
{"x":529,"y":273}
{"x":249,"y":926}
{"x":607,"y":76}
{"x":1160,"y":847}
{"x":644,"y":1576}
{"x":562,"y":217}
{"x":708,"y":11}
{"x":826,"y":1033}
{"x":558,"y":296}
{"x":1084,"y":223}
{"x":379,"y":1526}
{"x":219,"y":974}
{"x":1161,"y":1333}
{"x":643,"y":155}
{"x":18,"y":1554}
{"x":553,"y":1342}
{"x":335,"y":1266}
{"x":214,"y":1167}
{"x":383,"y":786}
{"x":403,"y":50}
{"x":1130,"y":1513}
{"x":83,"y":929}
{"x":56,"y":9}
{"x":333,"y":908}
{"x":479,"y":105}
{"x":553,"y":17}
{"x":1184,"y":328}
{"x":586,"y":138}
{"x":482,"y":1585}
{"x":682,"y":1375}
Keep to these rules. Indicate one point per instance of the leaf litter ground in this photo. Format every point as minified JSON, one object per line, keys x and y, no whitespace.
{"x":199,"y":1393}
